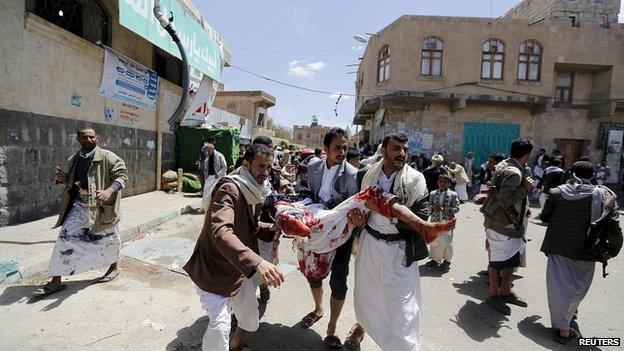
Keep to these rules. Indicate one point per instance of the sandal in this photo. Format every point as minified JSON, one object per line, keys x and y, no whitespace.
{"x":241,"y":347}
{"x":48,"y":289}
{"x":309,"y":320}
{"x":355,"y":337}
{"x":107,"y":277}
{"x":564,"y":340}
{"x":333,"y":342}
{"x":513,"y":299}
{"x":497,"y":303}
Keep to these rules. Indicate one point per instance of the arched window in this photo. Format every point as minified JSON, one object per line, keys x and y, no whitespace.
{"x":492,"y":59}
{"x":383,"y":64}
{"x":431,"y":58}
{"x":530,"y":61}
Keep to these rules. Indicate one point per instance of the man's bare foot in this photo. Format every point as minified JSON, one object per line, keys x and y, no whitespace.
{"x":110,"y":274}
{"x":432,"y":230}
{"x":50,"y":288}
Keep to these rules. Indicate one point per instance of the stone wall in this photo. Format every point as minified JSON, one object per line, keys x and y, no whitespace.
{"x":447,"y":128}
{"x":586,"y":10}
{"x":530,"y":9}
{"x":31,"y":144}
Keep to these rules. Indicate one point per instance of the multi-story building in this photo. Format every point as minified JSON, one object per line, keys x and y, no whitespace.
{"x":52,"y":55}
{"x":552,"y":71}
{"x":310,"y":136}
{"x":252,"y":105}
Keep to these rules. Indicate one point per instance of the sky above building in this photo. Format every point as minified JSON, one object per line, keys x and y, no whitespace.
{"x":310,"y":43}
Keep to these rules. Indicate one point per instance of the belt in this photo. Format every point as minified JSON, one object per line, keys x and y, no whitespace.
{"x":386,"y":237}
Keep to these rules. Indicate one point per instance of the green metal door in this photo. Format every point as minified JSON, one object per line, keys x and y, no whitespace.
{"x":485,"y":139}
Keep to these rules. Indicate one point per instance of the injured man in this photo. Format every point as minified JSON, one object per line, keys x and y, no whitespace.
{"x":321,"y":231}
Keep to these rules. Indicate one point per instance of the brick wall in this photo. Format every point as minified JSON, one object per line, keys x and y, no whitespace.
{"x":32,"y":144}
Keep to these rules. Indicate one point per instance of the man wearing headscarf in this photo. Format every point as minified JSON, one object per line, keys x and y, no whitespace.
{"x":226,"y":266}
{"x":434,"y":171}
{"x":569,"y":211}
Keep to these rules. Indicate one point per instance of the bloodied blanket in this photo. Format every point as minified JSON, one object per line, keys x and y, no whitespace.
{"x":320,"y":231}
{"x":78,"y":250}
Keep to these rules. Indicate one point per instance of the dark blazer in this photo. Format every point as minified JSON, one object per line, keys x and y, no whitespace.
{"x":227,"y":248}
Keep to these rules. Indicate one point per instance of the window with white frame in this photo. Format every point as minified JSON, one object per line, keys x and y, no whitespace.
{"x":492,"y":59}
{"x":530,"y":61}
{"x":431,"y":56}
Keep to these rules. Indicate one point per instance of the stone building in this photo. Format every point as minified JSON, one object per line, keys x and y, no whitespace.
{"x":52,"y":60}
{"x":310,"y":136}
{"x":252,"y":105}
{"x":549,"y":70}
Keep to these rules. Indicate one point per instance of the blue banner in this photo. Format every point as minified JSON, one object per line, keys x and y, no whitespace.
{"x":128,"y":81}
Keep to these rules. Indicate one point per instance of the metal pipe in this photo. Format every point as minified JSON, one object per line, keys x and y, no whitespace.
{"x":175,"y":119}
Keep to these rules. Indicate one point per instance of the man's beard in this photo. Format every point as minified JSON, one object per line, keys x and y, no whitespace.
{"x":89,"y":147}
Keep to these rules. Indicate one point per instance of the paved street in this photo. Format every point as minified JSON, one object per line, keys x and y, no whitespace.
{"x":152,"y":306}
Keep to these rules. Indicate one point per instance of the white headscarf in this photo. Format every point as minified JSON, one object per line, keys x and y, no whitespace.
{"x":254,"y":192}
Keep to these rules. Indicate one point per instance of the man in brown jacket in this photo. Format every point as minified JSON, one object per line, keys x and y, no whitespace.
{"x":89,"y":213}
{"x":225,"y":264}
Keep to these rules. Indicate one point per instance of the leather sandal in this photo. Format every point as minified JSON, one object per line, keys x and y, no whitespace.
{"x":309,"y":320}
{"x":355,"y":337}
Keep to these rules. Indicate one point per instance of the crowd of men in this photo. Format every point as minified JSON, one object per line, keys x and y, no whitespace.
{"x":237,"y":250}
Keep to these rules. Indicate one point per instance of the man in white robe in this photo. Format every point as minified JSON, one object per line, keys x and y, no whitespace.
{"x":89,"y":213}
{"x":387,"y":281}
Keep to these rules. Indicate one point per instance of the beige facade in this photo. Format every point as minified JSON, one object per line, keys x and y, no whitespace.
{"x":252,"y":105}
{"x":51,"y":86}
{"x":450,"y":107}
{"x":603,"y":12}
{"x":310,"y":136}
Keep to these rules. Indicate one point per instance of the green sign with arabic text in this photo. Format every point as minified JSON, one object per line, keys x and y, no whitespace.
{"x":203,"y":52}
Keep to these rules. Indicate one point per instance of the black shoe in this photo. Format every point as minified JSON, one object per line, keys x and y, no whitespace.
{"x":564,"y":340}
{"x":445,"y":266}
{"x":431,"y":264}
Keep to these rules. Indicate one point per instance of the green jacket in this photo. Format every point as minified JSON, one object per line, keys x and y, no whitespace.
{"x":105,"y":168}
{"x":507,"y":195}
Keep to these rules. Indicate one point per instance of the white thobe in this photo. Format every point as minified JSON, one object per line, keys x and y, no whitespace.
{"x":387,"y":293}
{"x":462,"y":191}
{"x":503,"y":247}
{"x":209,"y":184}
{"x":567,"y":283}
{"x":244,"y":305}
{"x":78,"y":250}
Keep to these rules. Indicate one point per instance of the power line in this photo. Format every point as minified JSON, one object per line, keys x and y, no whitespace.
{"x":289,"y":51}
{"x":476,"y":84}
{"x":289,"y":84}
{"x":285,"y":70}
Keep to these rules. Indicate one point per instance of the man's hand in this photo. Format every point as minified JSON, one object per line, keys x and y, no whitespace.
{"x":103,"y":196}
{"x":271,"y":275}
{"x":59,"y":175}
{"x":356,"y":218}
{"x":528,"y":183}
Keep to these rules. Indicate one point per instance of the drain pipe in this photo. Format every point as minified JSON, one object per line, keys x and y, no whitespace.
{"x":175,"y":120}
